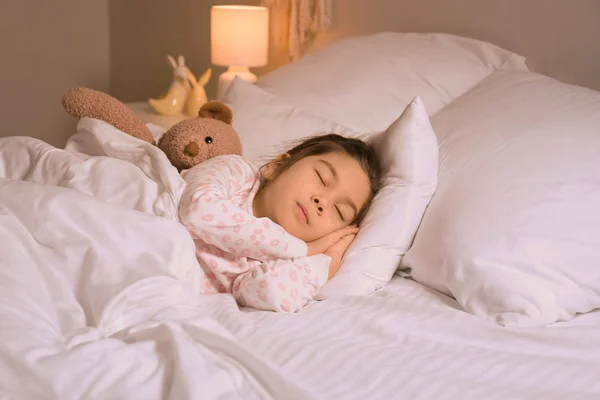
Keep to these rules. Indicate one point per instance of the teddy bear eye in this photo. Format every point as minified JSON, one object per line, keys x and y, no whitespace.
{"x":208,"y":140}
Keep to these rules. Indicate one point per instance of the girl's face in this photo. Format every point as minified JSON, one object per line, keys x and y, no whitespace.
{"x":315,"y":196}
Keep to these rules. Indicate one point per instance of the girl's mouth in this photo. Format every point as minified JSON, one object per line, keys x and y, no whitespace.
{"x":302,"y":213}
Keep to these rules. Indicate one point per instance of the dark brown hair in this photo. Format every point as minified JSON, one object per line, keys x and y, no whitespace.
{"x":360,"y":151}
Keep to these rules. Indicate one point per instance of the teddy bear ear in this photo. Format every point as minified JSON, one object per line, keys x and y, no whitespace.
{"x":216,"y":110}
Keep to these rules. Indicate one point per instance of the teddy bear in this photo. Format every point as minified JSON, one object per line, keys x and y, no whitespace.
{"x":185,"y":144}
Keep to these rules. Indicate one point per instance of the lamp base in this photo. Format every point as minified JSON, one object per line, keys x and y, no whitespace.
{"x":228,"y":76}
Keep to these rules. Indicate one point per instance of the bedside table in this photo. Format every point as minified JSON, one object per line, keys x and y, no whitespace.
{"x":148,"y":115}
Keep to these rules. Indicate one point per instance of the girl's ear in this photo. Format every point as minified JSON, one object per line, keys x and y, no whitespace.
{"x":269,"y":170}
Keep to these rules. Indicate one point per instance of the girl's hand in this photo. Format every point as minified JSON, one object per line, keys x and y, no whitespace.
{"x":336,"y":252}
{"x":319,"y":246}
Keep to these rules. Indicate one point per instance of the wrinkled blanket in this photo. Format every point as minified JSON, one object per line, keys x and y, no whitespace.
{"x":97,"y":280}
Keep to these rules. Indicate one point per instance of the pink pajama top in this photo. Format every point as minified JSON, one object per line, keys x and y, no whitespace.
{"x":254,"y":259}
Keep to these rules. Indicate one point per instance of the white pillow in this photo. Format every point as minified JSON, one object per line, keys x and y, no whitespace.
{"x":362,"y":82}
{"x":409,"y":158}
{"x":513,"y":231}
{"x":267,"y":125}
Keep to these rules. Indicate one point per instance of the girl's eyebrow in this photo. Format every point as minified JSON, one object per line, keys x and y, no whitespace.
{"x":331,"y":168}
{"x":335,"y":177}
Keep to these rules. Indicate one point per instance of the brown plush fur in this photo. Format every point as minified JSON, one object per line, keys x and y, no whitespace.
{"x":216,"y":110}
{"x":84,"y":102}
{"x":204,"y":136}
{"x":186,"y":144}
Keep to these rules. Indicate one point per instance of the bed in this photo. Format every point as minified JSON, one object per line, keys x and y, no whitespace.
{"x":494,"y":290}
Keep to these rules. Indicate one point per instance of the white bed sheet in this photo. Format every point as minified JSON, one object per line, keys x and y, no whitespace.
{"x":407,"y":342}
{"x":97,"y":301}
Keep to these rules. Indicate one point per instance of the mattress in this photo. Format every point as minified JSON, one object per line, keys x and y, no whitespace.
{"x":98,"y":300}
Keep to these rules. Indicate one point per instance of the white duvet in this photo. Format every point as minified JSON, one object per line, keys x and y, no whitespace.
{"x":97,"y":301}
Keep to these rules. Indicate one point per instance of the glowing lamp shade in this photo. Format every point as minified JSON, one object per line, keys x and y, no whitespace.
{"x":239,"y":39}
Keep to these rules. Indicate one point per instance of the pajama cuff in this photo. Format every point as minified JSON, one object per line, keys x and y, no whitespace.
{"x":321,"y":264}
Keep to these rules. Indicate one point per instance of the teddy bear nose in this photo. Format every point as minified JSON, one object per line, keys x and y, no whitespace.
{"x":192,"y":149}
{"x":208,"y":140}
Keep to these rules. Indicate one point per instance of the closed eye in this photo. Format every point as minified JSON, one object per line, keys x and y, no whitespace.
{"x":340,"y":213}
{"x":320,"y":177}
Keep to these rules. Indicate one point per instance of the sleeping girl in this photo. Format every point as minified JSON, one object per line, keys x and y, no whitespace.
{"x":273,"y":237}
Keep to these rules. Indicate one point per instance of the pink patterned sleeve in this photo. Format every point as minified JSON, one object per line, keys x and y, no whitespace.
{"x":213,"y":207}
{"x":282,"y":285}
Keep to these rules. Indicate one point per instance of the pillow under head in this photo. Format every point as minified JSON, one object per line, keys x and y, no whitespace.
{"x":409,"y":154}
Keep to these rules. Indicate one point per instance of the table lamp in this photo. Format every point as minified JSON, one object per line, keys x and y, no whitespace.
{"x":239,"y":39}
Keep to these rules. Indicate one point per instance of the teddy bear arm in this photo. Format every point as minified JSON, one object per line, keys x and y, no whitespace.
{"x":85,"y":102}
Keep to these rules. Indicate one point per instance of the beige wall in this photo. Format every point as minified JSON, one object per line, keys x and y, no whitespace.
{"x":560,"y":38}
{"x":120,"y":46}
{"x":143,"y":32}
{"x":47,"y":47}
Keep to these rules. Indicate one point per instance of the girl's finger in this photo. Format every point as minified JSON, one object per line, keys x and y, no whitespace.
{"x":350,"y":230}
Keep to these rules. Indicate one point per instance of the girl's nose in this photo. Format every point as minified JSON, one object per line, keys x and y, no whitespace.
{"x":319,"y":204}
